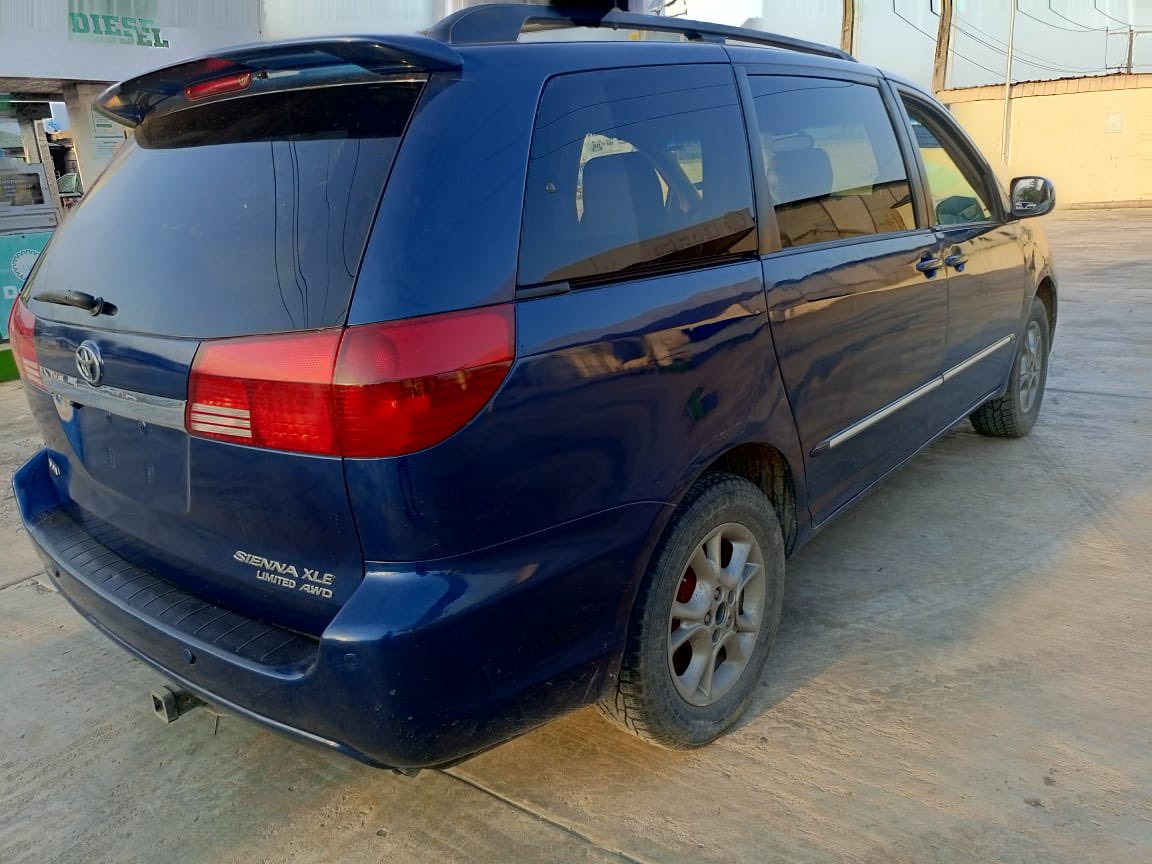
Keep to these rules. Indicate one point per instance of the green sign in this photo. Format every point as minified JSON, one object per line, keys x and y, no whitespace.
{"x":123,"y":22}
{"x":18,"y":252}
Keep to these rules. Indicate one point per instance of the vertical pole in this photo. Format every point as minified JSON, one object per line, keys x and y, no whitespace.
{"x":848,"y":27}
{"x":28,"y":139}
{"x":45,"y":159}
{"x":1132,"y":38}
{"x":943,"y":47}
{"x":1131,"y":45}
{"x":89,"y":158}
{"x":1006,"y":132}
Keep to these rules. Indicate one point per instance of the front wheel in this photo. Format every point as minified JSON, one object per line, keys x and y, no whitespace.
{"x":705,"y":618}
{"x":1014,"y":414}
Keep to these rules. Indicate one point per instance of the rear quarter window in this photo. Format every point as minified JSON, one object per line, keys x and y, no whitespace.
{"x":635,"y":170}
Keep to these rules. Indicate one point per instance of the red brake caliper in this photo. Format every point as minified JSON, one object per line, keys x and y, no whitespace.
{"x":684,"y":592}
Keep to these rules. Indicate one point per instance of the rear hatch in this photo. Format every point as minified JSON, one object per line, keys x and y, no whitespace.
{"x":239,"y":208}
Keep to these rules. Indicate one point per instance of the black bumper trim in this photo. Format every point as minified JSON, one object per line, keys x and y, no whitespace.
{"x":151,"y":598}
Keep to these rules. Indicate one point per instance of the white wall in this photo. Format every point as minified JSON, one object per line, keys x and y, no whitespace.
{"x":814,"y":20}
{"x":288,"y":19}
{"x":37,"y":38}
{"x":1089,"y":136}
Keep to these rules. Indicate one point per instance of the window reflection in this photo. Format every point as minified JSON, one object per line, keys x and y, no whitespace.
{"x":834,"y":165}
{"x":636,"y":169}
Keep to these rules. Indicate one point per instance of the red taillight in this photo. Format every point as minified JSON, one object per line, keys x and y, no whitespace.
{"x":268,"y":391}
{"x":22,"y":332}
{"x":219,"y":86}
{"x":406,"y":385}
{"x":370,"y":391}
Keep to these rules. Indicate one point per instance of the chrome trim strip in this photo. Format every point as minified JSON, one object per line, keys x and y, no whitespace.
{"x":977,"y":357}
{"x":904,"y":462}
{"x":157,"y":410}
{"x":908,"y":398}
{"x":876,"y":416}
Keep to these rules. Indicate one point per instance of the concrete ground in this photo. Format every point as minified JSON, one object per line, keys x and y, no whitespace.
{"x":963,"y":675}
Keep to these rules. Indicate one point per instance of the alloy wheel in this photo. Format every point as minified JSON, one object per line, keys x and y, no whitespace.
{"x":1031,"y":366}
{"x":716,"y":615}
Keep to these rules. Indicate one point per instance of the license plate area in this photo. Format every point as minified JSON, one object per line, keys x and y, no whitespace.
{"x":144,"y":461}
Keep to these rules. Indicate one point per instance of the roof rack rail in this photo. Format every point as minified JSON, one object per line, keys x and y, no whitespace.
{"x":504,"y":22}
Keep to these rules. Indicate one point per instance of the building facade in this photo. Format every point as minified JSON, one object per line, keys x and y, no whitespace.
{"x":1091,"y":136}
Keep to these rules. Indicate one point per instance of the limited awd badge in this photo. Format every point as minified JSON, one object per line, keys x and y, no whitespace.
{"x":88,"y":362}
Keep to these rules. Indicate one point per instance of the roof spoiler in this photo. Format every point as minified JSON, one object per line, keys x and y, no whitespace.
{"x":131,"y":101}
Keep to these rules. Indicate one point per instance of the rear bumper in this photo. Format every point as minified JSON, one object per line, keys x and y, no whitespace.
{"x":424,"y":665}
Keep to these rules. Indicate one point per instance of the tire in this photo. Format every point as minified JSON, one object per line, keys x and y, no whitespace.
{"x":1014,"y":414}
{"x":722,"y":516}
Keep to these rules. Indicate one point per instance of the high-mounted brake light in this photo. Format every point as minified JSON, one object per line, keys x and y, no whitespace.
{"x":219,"y":86}
{"x":22,"y":332}
{"x":375,"y":390}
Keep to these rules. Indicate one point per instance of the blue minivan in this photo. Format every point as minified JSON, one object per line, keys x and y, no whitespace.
{"x":402,"y":393}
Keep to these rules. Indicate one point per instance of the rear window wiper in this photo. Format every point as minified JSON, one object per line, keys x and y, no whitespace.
{"x":79,"y":300}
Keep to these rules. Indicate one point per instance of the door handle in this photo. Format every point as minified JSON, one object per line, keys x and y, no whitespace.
{"x":929,"y":264}
{"x":956,"y":260}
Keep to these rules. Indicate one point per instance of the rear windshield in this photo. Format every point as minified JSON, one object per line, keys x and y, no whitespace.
{"x":243,"y":216}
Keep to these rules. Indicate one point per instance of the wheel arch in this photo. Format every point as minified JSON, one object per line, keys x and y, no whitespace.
{"x":768,"y":468}
{"x":763,"y":464}
{"x":1046,"y":294}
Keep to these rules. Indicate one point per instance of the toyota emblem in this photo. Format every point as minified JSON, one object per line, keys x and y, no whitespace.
{"x":88,"y":362}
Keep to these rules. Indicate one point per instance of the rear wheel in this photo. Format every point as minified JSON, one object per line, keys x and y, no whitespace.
{"x":1014,"y":414}
{"x":705,"y":618}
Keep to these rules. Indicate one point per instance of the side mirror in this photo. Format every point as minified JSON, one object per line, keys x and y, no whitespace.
{"x":1032,"y":196}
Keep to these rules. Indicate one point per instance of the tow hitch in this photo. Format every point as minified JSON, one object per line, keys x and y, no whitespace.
{"x":171,"y":703}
